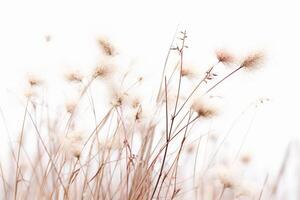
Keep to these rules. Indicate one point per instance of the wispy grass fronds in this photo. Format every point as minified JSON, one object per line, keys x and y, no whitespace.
{"x":133,"y":146}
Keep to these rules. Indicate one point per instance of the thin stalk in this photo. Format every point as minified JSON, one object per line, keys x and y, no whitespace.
{"x":19,"y":150}
{"x":165,"y":65}
{"x":168,"y":134}
{"x":223,"y":79}
{"x":167,"y":141}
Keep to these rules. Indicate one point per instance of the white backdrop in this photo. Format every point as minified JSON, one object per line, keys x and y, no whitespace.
{"x":142,"y":30}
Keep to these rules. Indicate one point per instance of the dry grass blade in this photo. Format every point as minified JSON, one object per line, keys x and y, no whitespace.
{"x":137,"y":146}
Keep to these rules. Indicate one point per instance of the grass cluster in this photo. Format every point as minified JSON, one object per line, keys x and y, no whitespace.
{"x":140,"y":146}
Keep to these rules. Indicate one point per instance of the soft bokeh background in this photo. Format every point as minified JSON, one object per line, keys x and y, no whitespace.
{"x":142,"y":31}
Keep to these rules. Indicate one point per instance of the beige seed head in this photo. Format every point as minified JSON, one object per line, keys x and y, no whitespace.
{"x":103,"y":70}
{"x":189,"y":72}
{"x":191,"y":149}
{"x":225,"y":57}
{"x":253,"y":61}
{"x":30,"y":93}
{"x":118,"y":98}
{"x":135,"y":102}
{"x":203,"y":108}
{"x":74,"y":76}
{"x":73,"y":143}
{"x":70,"y":106}
{"x":226,"y":176}
{"x":106,"y":46}
{"x":34,"y":80}
{"x":246,"y":158}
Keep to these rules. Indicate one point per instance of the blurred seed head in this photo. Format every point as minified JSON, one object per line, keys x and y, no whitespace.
{"x":73,"y":143}
{"x":253,"y":61}
{"x":106,"y":46}
{"x":244,"y":189}
{"x":139,"y":114}
{"x":30,"y":93}
{"x":225,"y":175}
{"x":48,"y":38}
{"x":135,"y":102}
{"x":230,"y":177}
{"x":213,"y":136}
{"x":204,"y":108}
{"x":34,"y":80}
{"x":191,"y":149}
{"x":70,"y":106}
{"x":118,"y":98}
{"x":74,"y":76}
{"x":246,"y":158}
{"x":225,"y":57}
{"x":189,"y":72}
{"x":103,"y":70}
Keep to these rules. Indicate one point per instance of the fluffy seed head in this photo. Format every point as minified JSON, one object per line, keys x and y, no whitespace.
{"x":135,"y":102}
{"x":30,"y":93}
{"x":70,"y":106}
{"x":213,"y":136}
{"x":103,"y":70}
{"x":106,"y":47}
{"x":224,"y":56}
{"x":34,"y":80}
{"x":231,"y":178}
{"x":244,"y":189}
{"x":226,"y":177}
{"x":203,"y":109}
{"x":191,"y":149}
{"x":188,"y":72}
{"x":246,"y":158}
{"x":252,"y":61}
{"x":73,"y":143}
{"x":74,"y":76}
{"x":118,"y":98}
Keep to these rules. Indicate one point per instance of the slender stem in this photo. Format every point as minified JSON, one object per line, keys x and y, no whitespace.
{"x":223,"y":79}
{"x":263,"y":187}
{"x":178,"y":156}
{"x":48,"y":154}
{"x":222,"y":193}
{"x":180,"y":73}
{"x":168,"y":133}
{"x":19,"y":150}
{"x":165,"y":65}
{"x":167,"y":142}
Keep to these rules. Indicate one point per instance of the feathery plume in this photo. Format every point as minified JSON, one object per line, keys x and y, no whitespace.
{"x":203,"y":108}
{"x":245,"y":158}
{"x":73,"y":143}
{"x":135,"y":102}
{"x":225,"y":57}
{"x":70,"y":106}
{"x":118,"y":98}
{"x":226,"y":177}
{"x":252,"y":61}
{"x":103,"y":70}
{"x":243,"y":189}
{"x":106,"y":46}
{"x":74,"y":76}
{"x":34,"y":80}
{"x":189,"y":72}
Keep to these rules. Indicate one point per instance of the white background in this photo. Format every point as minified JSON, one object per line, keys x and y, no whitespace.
{"x":142,"y":30}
